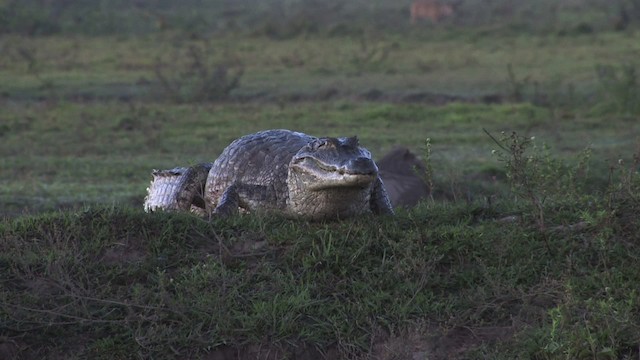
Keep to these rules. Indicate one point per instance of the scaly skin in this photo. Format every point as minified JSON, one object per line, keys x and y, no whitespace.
{"x":177,"y":189}
{"x":296,"y":175}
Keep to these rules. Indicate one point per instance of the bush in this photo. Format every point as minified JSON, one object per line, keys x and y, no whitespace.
{"x":200,"y":78}
{"x":619,"y":89}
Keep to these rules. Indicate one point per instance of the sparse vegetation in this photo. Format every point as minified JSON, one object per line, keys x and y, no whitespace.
{"x":428,"y":174}
{"x":200,"y":78}
{"x":619,"y":89}
{"x":539,"y":178}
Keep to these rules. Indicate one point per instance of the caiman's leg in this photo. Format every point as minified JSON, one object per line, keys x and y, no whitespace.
{"x":194,"y":184}
{"x":379,"y":201}
{"x":245,"y":196}
{"x":228,"y":203}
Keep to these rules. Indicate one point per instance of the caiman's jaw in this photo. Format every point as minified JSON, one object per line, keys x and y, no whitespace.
{"x":317,"y":175}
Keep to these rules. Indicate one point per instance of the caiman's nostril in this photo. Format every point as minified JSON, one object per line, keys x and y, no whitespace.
{"x":361,"y":165}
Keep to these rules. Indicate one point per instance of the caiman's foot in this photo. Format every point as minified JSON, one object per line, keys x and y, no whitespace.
{"x":228,"y":204}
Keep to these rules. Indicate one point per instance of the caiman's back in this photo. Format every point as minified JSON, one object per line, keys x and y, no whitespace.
{"x":259,"y":164}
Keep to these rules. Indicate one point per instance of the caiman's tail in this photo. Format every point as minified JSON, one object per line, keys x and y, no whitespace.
{"x":177,"y":189}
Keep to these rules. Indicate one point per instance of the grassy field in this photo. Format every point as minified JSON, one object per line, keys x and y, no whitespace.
{"x":529,"y":249}
{"x":85,"y":119}
{"x":399,"y":67}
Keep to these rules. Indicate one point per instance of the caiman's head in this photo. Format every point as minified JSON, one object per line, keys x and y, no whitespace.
{"x":331,"y":177}
{"x":334,"y":162}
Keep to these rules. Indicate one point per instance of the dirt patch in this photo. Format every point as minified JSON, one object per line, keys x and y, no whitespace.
{"x":123,"y":253}
{"x":8,"y":349}
{"x":370,"y":95}
{"x":267,"y":352}
{"x":429,"y":342}
{"x":42,"y":287}
{"x":454,"y":343}
{"x":418,"y":343}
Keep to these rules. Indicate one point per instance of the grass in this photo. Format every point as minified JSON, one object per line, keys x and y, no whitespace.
{"x":66,"y":154}
{"x":171,"y":285}
{"x":113,"y":67}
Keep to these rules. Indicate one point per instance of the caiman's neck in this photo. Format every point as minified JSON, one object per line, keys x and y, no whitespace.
{"x":326,"y":204}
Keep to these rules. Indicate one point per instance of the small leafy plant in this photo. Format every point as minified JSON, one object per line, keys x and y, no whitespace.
{"x":371,"y":55}
{"x":428,"y":167}
{"x":199,"y":77}
{"x":536,"y":176}
{"x":516,"y":86}
{"x":619,"y":89}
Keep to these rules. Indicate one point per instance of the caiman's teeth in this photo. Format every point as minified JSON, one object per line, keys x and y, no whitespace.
{"x":325,"y":167}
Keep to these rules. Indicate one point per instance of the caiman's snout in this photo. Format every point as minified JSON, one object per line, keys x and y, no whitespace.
{"x":359,"y":166}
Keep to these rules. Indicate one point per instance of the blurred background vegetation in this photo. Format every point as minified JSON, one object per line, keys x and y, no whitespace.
{"x":287,"y":18}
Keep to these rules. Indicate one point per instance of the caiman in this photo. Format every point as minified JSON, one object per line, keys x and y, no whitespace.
{"x":282,"y":171}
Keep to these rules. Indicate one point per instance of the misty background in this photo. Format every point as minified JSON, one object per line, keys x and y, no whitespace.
{"x":289,"y":18}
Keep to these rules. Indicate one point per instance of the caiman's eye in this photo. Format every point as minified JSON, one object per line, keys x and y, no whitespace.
{"x":319,"y":144}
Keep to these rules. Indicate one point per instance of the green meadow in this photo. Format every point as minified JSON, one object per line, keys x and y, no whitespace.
{"x":528,"y":116}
